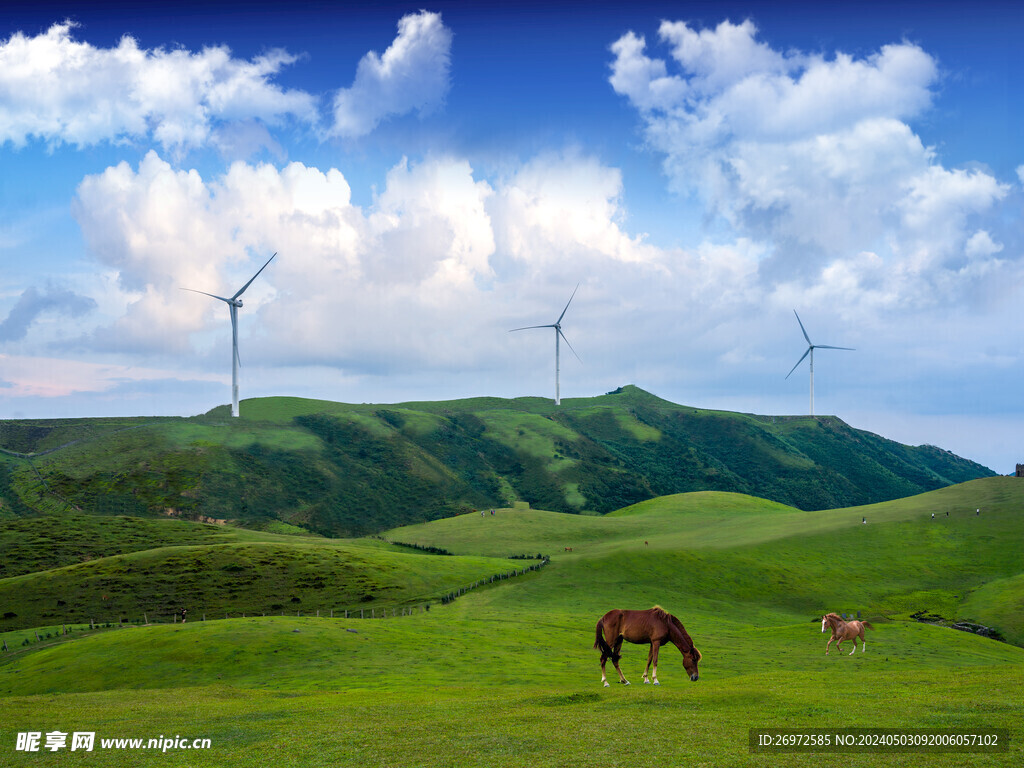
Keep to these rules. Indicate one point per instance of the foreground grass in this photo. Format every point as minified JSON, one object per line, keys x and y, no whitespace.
{"x":528,"y":722}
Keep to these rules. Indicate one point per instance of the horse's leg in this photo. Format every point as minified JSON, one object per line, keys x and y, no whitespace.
{"x":829,"y":643}
{"x":654,"y":652}
{"x":650,"y":658}
{"x":604,"y":678}
{"x":615,"y":660}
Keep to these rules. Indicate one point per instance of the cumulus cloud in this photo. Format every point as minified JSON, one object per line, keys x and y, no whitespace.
{"x":430,"y":276}
{"x":813,"y":156}
{"x":412,"y":75}
{"x":59,"y":90}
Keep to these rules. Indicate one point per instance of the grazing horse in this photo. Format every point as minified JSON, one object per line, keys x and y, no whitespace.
{"x":844,"y":630}
{"x":654,"y":627}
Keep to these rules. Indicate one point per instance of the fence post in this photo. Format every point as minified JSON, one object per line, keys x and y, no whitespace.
{"x":145,"y":618}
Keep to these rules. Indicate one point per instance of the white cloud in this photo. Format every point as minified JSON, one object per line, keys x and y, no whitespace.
{"x":59,"y":90}
{"x":813,"y":157}
{"x":431,"y":275}
{"x":411,"y":76}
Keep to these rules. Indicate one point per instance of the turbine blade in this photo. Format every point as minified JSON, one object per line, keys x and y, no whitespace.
{"x":798,"y":362}
{"x":559,"y":332}
{"x":567,"y":306}
{"x":528,"y":327}
{"x":193,"y":290}
{"x":803,"y":329}
{"x":242,"y":289}
{"x":826,"y":346}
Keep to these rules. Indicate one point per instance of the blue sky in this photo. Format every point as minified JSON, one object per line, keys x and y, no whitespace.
{"x":433,"y":175}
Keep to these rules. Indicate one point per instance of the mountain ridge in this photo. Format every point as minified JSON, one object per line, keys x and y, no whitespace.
{"x":347,"y":469}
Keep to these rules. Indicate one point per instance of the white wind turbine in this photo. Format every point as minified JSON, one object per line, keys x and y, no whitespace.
{"x":557,"y":325}
{"x":810,"y":351}
{"x":233,"y":305}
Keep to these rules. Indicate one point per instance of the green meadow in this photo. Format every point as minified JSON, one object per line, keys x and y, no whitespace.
{"x":505,"y":675}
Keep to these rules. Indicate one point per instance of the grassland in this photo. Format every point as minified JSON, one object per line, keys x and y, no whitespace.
{"x":505,"y":675}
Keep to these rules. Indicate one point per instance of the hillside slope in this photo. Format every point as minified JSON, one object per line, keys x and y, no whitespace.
{"x":762,"y":559}
{"x":340,"y":469}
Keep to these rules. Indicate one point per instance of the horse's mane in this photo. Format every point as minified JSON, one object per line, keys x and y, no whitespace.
{"x":675,"y":627}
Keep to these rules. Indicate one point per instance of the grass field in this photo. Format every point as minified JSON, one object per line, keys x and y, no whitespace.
{"x":506,"y":676}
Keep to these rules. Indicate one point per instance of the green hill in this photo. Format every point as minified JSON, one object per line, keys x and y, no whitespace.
{"x":344,"y":470}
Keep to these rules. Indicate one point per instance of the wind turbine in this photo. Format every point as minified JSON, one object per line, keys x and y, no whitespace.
{"x":234,"y":303}
{"x":557,"y":325}
{"x":810,"y":351}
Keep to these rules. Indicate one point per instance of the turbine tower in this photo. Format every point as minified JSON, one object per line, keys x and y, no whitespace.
{"x":810,"y":351}
{"x":234,"y":303}
{"x":557,"y":325}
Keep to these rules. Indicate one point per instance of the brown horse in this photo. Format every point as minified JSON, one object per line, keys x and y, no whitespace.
{"x":654,"y":627}
{"x":844,"y":630}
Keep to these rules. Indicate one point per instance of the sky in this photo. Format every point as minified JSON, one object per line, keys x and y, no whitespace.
{"x":434,"y":175}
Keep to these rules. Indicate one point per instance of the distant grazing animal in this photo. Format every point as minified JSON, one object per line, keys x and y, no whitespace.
{"x":844,"y":630}
{"x":655,"y":627}
{"x":568,"y":549}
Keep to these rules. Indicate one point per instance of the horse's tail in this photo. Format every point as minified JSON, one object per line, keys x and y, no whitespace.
{"x":601,"y":644}
{"x":867,"y":624}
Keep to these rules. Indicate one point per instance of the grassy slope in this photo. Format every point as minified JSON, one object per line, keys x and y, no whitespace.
{"x":505,"y":675}
{"x":252,"y":577}
{"x":34,"y":544}
{"x":347,"y":470}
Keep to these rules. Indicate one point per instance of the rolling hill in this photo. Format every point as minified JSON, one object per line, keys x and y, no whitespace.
{"x":343,"y":470}
{"x":505,"y":675}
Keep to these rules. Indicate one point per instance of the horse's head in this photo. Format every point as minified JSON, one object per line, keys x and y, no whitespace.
{"x":824,"y":623}
{"x":690,"y":660}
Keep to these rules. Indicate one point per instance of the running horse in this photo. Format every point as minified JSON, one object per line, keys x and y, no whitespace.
{"x":844,"y":630}
{"x":653,"y":627}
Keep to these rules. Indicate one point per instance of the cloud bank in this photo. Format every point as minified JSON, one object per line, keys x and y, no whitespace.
{"x":814,"y":157}
{"x":62,"y":91}
{"x":59,"y":90}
